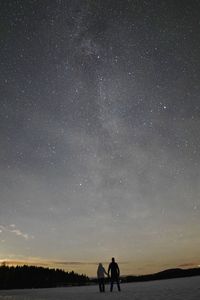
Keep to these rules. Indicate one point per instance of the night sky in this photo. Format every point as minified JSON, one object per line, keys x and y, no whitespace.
{"x":100,"y":133}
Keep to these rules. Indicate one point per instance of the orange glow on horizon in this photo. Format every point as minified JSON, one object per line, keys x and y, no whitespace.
{"x":89,"y":268}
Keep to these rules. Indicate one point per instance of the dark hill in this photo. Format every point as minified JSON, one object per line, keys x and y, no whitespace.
{"x":166,"y":274}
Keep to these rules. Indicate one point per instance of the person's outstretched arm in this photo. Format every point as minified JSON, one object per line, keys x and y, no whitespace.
{"x":118,"y":270}
{"x":105,"y":272}
{"x":109,"y":271}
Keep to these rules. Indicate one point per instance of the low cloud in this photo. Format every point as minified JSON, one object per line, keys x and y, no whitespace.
{"x":12,"y":229}
{"x":82,"y":263}
{"x":48,"y":263}
{"x":190,"y":264}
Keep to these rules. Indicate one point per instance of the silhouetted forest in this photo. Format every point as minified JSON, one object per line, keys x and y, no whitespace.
{"x":21,"y":277}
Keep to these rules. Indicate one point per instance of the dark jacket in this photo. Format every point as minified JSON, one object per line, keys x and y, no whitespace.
{"x":113,"y":267}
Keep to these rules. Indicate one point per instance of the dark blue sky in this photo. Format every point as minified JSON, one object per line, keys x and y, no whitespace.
{"x":100,"y":132}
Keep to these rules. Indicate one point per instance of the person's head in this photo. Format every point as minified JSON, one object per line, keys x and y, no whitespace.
{"x":100,"y":265}
{"x":113,"y":259}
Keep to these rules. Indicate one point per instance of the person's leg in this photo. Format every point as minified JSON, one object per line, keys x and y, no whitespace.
{"x":118,"y":285}
{"x":103,"y":285}
{"x":100,"y":289}
{"x":111,"y":285}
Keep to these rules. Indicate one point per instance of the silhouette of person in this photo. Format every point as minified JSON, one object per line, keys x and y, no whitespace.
{"x":115,"y":273}
{"x":100,"y":274}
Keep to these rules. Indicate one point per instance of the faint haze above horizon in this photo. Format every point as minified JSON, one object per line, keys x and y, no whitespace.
{"x":90,"y":268}
{"x":99,"y":133}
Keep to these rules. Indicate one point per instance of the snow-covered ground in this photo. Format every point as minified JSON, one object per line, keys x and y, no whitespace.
{"x":173,"y":289}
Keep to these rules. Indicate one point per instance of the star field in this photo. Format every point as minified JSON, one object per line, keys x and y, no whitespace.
{"x":99,"y":132}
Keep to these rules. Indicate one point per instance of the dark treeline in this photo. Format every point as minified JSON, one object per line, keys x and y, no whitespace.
{"x":166,"y":274}
{"x":21,"y":277}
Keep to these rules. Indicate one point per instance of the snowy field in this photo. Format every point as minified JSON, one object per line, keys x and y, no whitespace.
{"x":173,"y":289}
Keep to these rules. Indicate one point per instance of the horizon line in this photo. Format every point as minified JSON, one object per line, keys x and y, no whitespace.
{"x":53,"y":263}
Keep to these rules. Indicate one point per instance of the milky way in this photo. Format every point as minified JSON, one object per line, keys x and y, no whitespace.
{"x":100,"y":132}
